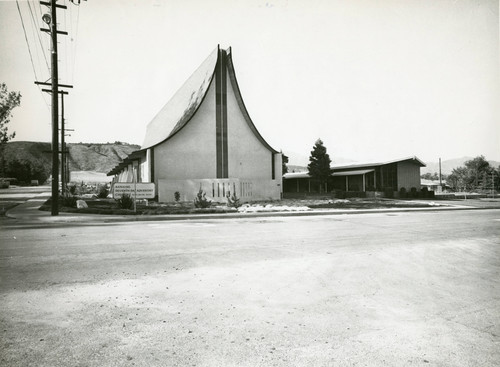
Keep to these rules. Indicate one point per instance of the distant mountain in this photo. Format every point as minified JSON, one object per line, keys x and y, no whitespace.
{"x":448,"y":165}
{"x":81,"y":157}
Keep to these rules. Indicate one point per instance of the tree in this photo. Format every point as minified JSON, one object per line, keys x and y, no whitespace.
{"x":479,"y":170}
{"x":8,"y":101}
{"x":25,"y":171}
{"x":319,"y":164}
{"x":474,"y":175}
{"x":284,"y":161}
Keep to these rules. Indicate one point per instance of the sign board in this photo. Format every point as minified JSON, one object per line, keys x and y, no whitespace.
{"x":144,"y":190}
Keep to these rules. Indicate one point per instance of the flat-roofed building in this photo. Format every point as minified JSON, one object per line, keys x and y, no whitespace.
{"x":379,"y":176}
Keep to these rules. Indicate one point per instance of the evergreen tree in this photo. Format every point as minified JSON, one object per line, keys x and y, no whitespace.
{"x":319,"y":165}
{"x":284,"y":161}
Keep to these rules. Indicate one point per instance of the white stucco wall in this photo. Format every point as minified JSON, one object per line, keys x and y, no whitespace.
{"x":217,"y":189}
{"x":248,"y":158}
{"x":191,"y":152}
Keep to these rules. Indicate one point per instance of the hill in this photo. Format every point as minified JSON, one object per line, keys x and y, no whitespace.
{"x":448,"y":165}
{"x":81,"y":156}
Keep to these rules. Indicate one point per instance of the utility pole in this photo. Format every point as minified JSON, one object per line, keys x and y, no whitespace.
{"x":51,"y":20}
{"x":440,"y":182}
{"x":55,"y":112}
{"x":492,"y":184}
{"x":63,"y":148}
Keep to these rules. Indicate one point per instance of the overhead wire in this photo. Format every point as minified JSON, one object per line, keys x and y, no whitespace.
{"x":26,"y":38}
{"x":36,"y":26}
{"x":74,"y":50}
{"x":29,"y":49}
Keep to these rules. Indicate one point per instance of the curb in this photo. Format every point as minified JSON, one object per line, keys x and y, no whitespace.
{"x":46,"y":218}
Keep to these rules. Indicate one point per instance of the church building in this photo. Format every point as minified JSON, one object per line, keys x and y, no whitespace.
{"x":204,"y":138}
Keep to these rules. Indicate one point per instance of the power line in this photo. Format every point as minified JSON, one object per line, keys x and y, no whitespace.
{"x":74,"y":43}
{"x":29,"y":49}
{"x":26,"y":38}
{"x":35,"y":23}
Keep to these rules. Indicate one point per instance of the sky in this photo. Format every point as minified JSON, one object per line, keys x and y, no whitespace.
{"x":374,"y":80}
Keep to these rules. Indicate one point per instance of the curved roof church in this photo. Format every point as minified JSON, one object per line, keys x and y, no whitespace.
{"x":204,"y":138}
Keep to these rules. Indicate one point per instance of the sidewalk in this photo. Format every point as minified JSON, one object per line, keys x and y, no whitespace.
{"x":29,"y":212}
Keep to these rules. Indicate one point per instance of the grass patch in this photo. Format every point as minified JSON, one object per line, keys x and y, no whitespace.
{"x":368,"y":204}
{"x":111,"y":207}
{"x":5,"y":206}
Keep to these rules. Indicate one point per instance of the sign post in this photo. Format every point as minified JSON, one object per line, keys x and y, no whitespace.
{"x":135,"y":190}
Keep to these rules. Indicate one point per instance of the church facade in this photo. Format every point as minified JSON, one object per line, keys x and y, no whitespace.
{"x":204,"y":138}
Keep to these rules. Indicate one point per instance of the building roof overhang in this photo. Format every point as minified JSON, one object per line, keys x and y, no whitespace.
{"x":352,"y":173}
{"x":356,"y":169}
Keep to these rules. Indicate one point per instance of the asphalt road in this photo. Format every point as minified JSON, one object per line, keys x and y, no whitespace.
{"x":394,"y":289}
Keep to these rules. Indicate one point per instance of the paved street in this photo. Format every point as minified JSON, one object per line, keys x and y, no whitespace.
{"x":387,"y":289}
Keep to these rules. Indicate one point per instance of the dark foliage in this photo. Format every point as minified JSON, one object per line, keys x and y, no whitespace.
{"x":200,"y":201}
{"x":125,"y":202}
{"x":103,"y":192}
{"x":25,"y":171}
{"x":319,"y":164}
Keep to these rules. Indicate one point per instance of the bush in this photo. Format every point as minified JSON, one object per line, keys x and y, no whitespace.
{"x":414,"y":192}
{"x":402,"y":193}
{"x":388,"y":192}
{"x":233,"y":201}
{"x":25,"y":171}
{"x":125,"y":202}
{"x":72,"y":189}
{"x":68,"y":200}
{"x":200,"y":201}
{"x":424,"y":192}
{"x":354,"y":194}
{"x":177,"y":196}
{"x":103,"y":192}
{"x":339,"y":194}
{"x":4,"y":184}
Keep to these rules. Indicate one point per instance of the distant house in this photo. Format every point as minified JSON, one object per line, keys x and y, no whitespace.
{"x":204,"y":138}
{"x":380,"y":176}
{"x":435,"y":185}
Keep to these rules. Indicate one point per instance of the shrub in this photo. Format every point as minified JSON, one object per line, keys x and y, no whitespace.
{"x":72,"y":189}
{"x":103,"y":192}
{"x":354,"y":194}
{"x":233,"y":201}
{"x":402,"y":193}
{"x":4,"y":184}
{"x":388,"y":192}
{"x":68,"y":200}
{"x":125,"y":202}
{"x":339,"y":194}
{"x":424,"y":192}
{"x":200,"y":201}
{"x":177,"y":196}
{"x":413,"y":192}
{"x":25,"y":171}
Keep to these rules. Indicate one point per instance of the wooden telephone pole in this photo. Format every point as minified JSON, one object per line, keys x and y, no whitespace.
{"x":51,"y":20}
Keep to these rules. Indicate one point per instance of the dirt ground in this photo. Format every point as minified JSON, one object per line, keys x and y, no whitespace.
{"x":396,"y":289}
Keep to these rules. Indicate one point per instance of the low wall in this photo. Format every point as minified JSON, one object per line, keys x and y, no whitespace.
{"x":217,"y":189}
